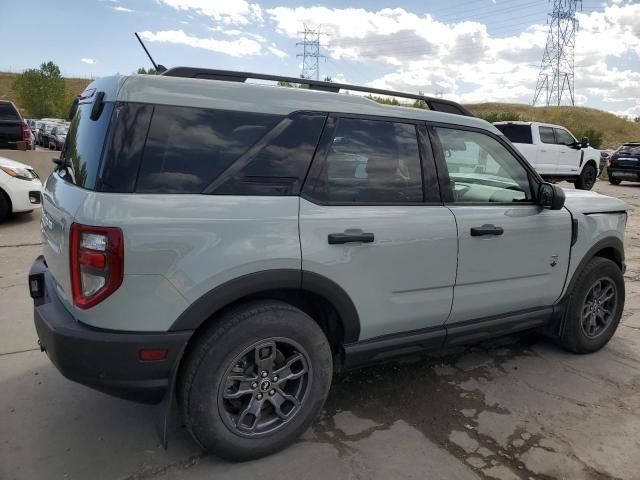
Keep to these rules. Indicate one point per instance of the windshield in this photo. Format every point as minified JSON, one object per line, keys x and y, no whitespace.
{"x":629,"y":150}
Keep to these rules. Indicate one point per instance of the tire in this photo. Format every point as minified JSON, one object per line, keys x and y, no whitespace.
{"x":232,"y":346}
{"x":575,"y":336}
{"x":587,"y":178}
{"x":615,"y":181}
{"x":5,"y":207}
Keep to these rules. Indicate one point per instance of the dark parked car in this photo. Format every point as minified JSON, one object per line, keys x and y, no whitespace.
{"x":12,"y":127}
{"x":57,"y":137}
{"x":43,"y":134}
{"x":624,"y":164}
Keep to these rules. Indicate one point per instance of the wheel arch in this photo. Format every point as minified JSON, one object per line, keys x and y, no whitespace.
{"x":6,"y":196}
{"x":611,"y":248}
{"x":321,"y":298}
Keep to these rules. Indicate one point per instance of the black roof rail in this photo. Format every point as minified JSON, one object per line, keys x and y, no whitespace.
{"x":436,"y":104}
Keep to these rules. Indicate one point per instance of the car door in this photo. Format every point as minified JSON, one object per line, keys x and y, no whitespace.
{"x":373,"y":223}
{"x":512,"y":254}
{"x":568,"y":156}
{"x":548,"y":152}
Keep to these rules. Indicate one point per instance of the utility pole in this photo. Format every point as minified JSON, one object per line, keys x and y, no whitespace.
{"x":310,"y":52}
{"x":556,"y":81}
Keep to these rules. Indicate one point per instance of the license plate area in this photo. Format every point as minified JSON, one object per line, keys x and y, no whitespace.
{"x":626,"y":175}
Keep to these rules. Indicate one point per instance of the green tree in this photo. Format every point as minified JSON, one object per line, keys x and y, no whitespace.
{"x":420,"y":103}
{"x":384,"y":100}
{"x":42,"y":92}
{"x":500,"y":116}
{"x":595,"y":136}
{"x":148,"y":71}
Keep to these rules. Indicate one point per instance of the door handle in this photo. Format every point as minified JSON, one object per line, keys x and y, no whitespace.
{"x":339,"y":238}
{"x":486,"y":230}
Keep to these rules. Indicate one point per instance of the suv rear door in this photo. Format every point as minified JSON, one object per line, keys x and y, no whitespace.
{"x":568,"y":157}
{"x":372,"y":222}
{"x":10,"y":125}
{"x":512,"y":254}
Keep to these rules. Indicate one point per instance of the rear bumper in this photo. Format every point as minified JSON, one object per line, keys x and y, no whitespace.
{"x":628,"y":174}
{"x":101,"y":359}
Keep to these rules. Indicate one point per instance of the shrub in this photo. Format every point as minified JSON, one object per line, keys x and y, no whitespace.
{"x":499,"y":116}
{"x":595,"y":136}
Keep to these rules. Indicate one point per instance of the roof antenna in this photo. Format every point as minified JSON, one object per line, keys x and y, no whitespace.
{"x":159,"y":68}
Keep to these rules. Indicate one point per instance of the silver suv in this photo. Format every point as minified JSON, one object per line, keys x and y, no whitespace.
{"x":235,"y":244}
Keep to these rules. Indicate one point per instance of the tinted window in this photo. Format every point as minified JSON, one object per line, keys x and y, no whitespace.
{"x":546,"y":135}
{"x":481,"y":169}
{"x":8,"y":112}
{"x":187,"y":148}
{"x":516,"y":133}
{"x":633,"y":150}
{"x":371,"y":161}
{"x":126,"y":143}
{"x":84,"y":145}
{"x":563,"y":137}
{"x":280,"y":166}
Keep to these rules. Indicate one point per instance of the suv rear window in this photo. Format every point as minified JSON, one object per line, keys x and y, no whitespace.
{"x":83,"y":149}
{"x":8,"y":112}
{"x":629,"y":150}
{"x":516,"y":133}
{"x":187,"y":148}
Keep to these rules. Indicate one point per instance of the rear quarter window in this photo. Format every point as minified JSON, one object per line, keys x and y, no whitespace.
{"x":516,"y":133}
{"x":187,"y":148}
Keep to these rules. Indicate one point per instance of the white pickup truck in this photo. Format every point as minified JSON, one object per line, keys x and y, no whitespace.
{"x":554,"y":152}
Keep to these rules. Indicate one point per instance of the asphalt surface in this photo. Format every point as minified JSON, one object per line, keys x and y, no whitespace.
{"x":513,"y":408}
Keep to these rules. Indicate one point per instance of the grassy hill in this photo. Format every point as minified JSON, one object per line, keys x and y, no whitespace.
{"x":615,"y":129}
{"x":76,"y":85}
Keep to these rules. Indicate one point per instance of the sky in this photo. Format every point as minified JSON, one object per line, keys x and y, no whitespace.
{"x":465,"y":50}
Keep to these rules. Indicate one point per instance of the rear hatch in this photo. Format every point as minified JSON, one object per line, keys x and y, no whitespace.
{"x":627,"y":156}
{"x":67,"y":188}
{"x":10,"y":125}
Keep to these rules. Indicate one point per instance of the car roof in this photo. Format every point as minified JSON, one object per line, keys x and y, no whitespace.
{"x":261,"y":98}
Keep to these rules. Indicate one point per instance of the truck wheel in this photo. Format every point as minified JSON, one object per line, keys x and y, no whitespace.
{"x":5,"y":208}
{"x":594,"y":307}
{"x":587,"y":178}
{"x":255,"y":380}
{"x":615,"y":181}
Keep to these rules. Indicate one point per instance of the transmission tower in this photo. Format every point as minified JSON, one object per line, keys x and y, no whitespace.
{"x":310,"y":52}
{"x":555,"y":84}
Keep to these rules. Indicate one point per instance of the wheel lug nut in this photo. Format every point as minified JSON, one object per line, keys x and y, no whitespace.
{"x":264,"y":374}
{"x":259,"y":396}
{"x":275,"y":378}
{"x":254,"y":385}
{"x":272,"y":392}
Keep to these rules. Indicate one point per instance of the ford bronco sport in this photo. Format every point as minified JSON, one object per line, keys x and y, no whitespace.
{"x":235,"y":244}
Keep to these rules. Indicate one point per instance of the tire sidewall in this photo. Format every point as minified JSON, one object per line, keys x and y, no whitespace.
{"x":581,"y":183}
{"x":202,"y":402}
{"x":574,"y":336}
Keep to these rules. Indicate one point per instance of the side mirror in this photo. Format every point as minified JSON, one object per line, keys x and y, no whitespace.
{"x":550,"y":196}
{"x":585,"y":142}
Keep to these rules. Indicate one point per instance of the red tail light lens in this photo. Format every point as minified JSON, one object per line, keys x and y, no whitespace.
{"x":26,"y":134}
{"x":609,"y":160}
{"x":97,"y":263}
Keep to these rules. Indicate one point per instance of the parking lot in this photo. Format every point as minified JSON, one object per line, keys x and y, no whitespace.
{"x":514,"y":408}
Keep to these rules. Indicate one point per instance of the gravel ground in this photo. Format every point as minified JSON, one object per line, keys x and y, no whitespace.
{"x":513,"y":408}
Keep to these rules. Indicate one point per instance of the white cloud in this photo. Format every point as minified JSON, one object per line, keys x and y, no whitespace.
{"x":89,"y":61}
{"x":236,"y":48}
{"x":464,"y":60}
{"x":120,"y":8}
{"x":273,"y":48}
{"x":227,"y":11}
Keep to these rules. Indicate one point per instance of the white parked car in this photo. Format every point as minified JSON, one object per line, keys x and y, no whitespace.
{"x":20,"y":188}
{"x":554,"y":152}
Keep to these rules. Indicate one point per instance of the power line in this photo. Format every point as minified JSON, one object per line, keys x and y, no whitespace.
{"x":310,"y":52}
{"x":556,"y":81}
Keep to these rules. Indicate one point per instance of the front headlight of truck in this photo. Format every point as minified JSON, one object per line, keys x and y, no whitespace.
{"x":17,"y":172}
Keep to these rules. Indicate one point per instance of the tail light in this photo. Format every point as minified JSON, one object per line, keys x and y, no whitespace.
{"x":609,"y":160}
{"x":26,"y":133}
{"x":97,"y":263}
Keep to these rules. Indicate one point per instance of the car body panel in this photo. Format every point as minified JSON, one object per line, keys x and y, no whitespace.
{"x":523,"y":268}
{"x":17,"y":188}
{"x":403,"y":280}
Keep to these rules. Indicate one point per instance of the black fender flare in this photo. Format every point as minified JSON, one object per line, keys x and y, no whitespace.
{"x":255,"y":283}
{"x":560,"y":308}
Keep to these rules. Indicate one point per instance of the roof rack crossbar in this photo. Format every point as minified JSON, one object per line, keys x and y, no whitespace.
{"x":436,"y":104}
